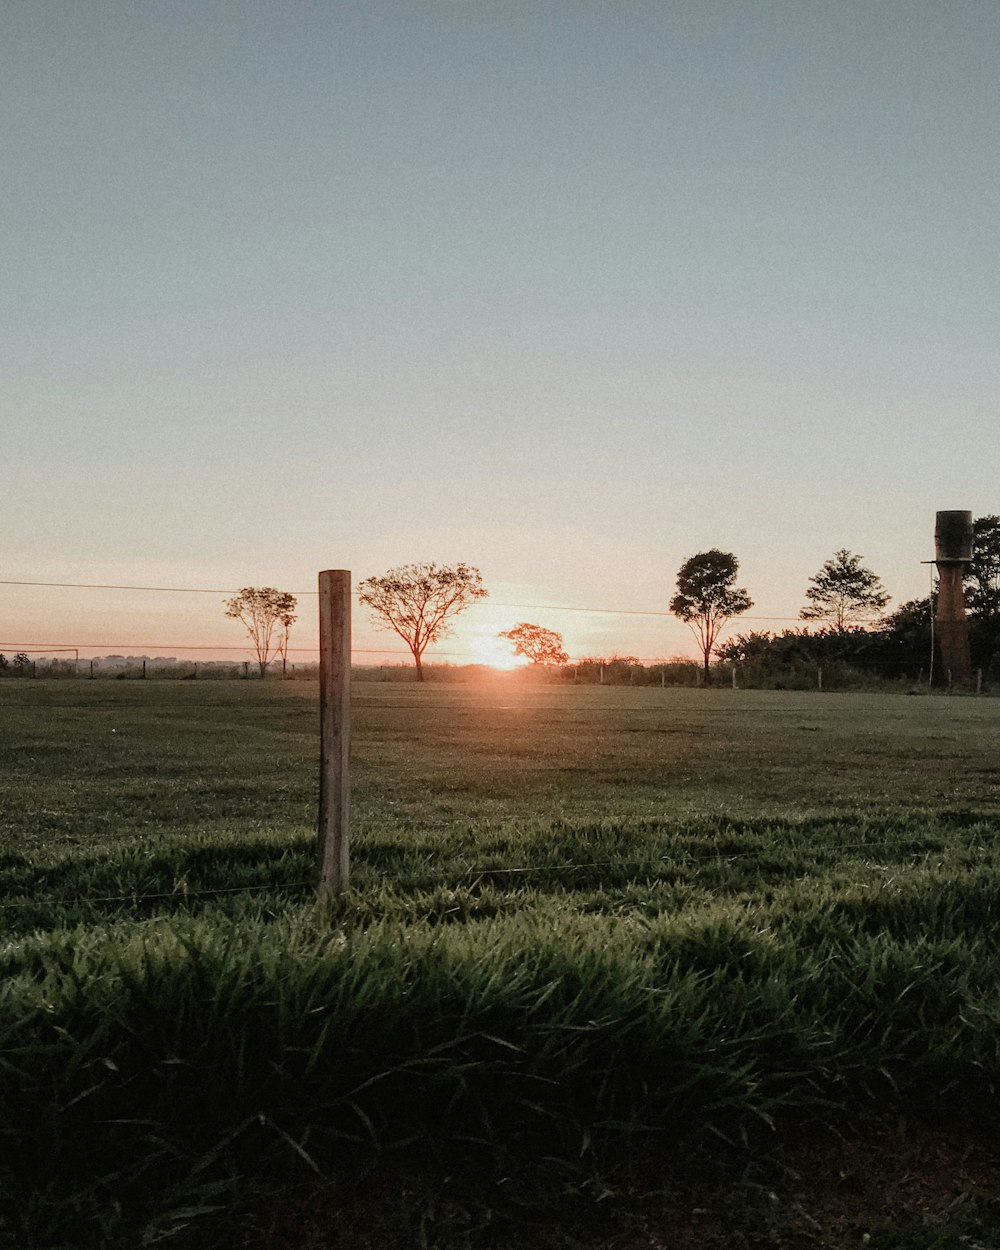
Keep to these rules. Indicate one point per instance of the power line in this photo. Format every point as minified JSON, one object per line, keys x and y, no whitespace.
{"x":42,"y":647}
{"x":531,"y":607}
{"x":176,"y":590}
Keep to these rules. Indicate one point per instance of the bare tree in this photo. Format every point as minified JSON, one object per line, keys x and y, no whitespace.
{"x":281,"y":647}
{"x":418,"y":601}
{"x":707,"y":597}
{"x":539,"y":645}
{"x":263,"y":610}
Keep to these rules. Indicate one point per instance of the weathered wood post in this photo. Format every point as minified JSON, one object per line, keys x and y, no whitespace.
{"x":335,"y":730}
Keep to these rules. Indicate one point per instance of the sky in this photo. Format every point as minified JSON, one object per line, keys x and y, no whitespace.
{"x":568,"y":291}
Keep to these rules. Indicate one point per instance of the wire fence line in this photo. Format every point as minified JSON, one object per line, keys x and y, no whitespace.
{"x":680,"y":858}
{"x":63,"y":650}
{"x":646,"y":639}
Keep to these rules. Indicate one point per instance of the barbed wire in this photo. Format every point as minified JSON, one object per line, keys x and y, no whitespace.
{"x":479,"y":871}
{"x":44,"y":649}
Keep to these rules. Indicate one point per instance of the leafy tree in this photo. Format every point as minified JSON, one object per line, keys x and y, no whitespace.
{"x":263,"y":610}
{"x":982,"y":581}
{"x":707,"y":597}
{"x":844,"y":592}
{"x":902,"y":640}
{"x":21,"y":661}
{"x":539,"y":645}
{"x":418,"y":601}
{"x":757,"y":647}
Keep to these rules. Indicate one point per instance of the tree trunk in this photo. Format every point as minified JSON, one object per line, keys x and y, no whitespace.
{"x":420,"y":667}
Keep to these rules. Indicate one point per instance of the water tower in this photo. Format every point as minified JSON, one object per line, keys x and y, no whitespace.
{"x":952,"y":555}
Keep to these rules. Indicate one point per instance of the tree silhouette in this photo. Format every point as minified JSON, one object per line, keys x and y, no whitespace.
{"x":982,"y":579}
{"x":262,"y":609}
{"x":844,"y":592}
{"x":539,"y":645}
{"x":418,"y":601}
{"x":707,"y":597}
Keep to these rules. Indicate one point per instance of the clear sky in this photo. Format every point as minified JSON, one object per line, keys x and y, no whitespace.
{"x":566,"y":290}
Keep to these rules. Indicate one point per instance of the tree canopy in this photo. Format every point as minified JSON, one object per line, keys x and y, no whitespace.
{"x":419,"y":602}
{"x":982,"y":579}
{"x":539,"y":645}
{"x":844,"y":593}
{"x":263,"y":610}
{"x":707,"y":597}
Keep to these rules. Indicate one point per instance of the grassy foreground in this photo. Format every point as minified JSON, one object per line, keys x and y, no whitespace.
{"x":607,"y":952}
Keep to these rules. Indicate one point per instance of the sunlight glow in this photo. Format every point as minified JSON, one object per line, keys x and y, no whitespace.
{"x":495,"y":652}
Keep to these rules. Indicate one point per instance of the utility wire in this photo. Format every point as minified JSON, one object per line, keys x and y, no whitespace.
{"x":532,"y":607}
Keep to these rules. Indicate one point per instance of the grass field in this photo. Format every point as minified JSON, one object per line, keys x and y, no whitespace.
{"x":612,"y":957}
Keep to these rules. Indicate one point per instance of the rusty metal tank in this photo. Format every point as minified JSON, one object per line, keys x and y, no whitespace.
{"x":952,"y":538}
{"x":952,"y":555}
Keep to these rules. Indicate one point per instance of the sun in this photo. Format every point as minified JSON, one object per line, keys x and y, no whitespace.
{"x":494,"y":653}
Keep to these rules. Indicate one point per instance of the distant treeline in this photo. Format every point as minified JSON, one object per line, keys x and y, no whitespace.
{"x":898,"y":648}
{"x":897,"y":651}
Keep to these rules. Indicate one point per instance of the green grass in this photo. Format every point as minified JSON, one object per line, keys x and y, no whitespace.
{"x":587,"y":927}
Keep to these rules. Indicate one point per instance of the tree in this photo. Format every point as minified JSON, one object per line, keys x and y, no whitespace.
{"x":844,"y":592}
{"x":263,"y":610}
{"x":539,"y":645}
{"x":707,"y":597}
{"x":281,"y":646}
{"x":903,"y":638}
{"x":418,"y":601}
{"x":982,"y":579}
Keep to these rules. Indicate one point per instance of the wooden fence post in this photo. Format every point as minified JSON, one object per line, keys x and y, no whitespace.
{"x":335,"y":730}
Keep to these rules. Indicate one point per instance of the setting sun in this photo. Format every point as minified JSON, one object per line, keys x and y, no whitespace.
{"x":494,"y":652}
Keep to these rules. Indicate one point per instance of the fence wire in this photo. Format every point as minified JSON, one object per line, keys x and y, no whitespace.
{"x":481,"y":871}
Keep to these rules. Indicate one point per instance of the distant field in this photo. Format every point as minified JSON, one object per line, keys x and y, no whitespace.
{"x":101,"y":762}
{"x":583,"y":920}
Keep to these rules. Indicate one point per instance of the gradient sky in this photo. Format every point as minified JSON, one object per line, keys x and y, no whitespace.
{"x":569,"y":291}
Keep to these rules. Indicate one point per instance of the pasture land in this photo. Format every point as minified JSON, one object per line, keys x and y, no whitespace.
{"x":605,"y":948}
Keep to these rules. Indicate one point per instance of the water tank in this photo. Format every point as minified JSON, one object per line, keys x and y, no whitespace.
{"x":952,"y":537}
